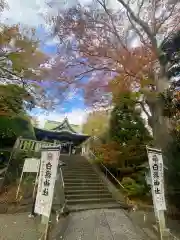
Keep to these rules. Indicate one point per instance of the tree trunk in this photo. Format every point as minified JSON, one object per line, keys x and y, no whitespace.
{"x":160,"y":124}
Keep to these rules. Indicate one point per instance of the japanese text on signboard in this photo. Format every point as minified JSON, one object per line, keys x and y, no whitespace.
{"x":157,"y":176}
{"x":47,"y":176}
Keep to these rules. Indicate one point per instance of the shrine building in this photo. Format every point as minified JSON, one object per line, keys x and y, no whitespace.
{"x":68,"y":135}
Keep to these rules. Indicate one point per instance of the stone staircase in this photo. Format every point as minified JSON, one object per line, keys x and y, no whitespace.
{"x":83,"y":187}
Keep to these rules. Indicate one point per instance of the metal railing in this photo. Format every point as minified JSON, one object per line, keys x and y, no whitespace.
{"x":62,"y":191}
{"x":93,"y":156}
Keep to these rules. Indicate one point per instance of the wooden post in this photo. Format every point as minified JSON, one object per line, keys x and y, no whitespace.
{"x":45,"y":221}
{"x":162,"y":225}
{"x":19,"y":185}
{"x":34,"y":189}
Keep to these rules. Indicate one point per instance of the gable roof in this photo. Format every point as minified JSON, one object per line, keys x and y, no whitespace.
{"x":54,"y":125}
{"x":64,"y":126}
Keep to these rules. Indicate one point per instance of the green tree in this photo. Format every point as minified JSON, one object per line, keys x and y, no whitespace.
{"x":20,"y":57}
{"x":128,"y":129}
{"x":14,"y":121}
{"x":14,"y":100}
{"x":97,"y":123}
{"x":22,"y":63}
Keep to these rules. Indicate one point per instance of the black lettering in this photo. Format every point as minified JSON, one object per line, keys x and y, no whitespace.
{"x":48,"y":174}
{"x":156,"y":183}
{"x":47,"y":182}
{"x":155,"y":167}
{"x":45,"y":192}
{"x":157,"y":190}
{"x":155,"y":174}
{"x":48,"y":166}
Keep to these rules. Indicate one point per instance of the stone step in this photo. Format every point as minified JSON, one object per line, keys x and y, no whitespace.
{"x":84,"y":184}
{"x":83,"y":207}
{"x":71,"y":169}
{"x":89,"y":201}
{"x":82,"y":173}
{"x":79,"y":175}
{"x":88,"y":195}
{"x":79,"y":169}
{"x":85,"y":191}
{"x":82,"y":180}
{"x":84,"y":187}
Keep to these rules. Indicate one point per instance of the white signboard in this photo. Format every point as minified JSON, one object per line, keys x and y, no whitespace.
{"x":157,"y":176}
{"x":31,"y":165}
{"x":47,"y":178}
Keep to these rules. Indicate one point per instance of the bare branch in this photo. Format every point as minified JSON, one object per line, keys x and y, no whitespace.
{"x":140,"y":22}
{"x":136,"y":29}
{"x":163,"y":20}
{"x":140,"y":6}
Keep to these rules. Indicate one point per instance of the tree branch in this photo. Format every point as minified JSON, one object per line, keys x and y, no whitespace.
{"x":140,"y":22}
{"x":158,"y":26}
{"x":142,"y":104}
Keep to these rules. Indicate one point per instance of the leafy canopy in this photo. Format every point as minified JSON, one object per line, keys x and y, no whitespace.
{"x":14,"y":100}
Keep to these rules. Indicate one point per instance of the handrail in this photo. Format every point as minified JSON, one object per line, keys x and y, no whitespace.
{"x":62,"y":197}
{"x":112,"y":175}
{"x":107,"y":170}
{"x":62,"y":179}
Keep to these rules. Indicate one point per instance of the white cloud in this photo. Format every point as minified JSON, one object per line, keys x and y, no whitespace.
{"x":34,"y":12}
{"x":76,"y":116}
{"x":28,"y":12}
{"x":52,"y":42}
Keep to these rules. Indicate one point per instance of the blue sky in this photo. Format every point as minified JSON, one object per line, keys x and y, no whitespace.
{"x":29,"y":12}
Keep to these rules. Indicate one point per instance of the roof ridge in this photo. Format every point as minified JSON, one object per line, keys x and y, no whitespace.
{"x":67,"y":125}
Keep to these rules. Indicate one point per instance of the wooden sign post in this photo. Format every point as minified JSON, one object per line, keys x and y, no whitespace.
{"x":157,"y":178}
{"x":47,"y":177}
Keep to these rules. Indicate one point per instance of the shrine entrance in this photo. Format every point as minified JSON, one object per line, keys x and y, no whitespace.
{"x":66,"y":147}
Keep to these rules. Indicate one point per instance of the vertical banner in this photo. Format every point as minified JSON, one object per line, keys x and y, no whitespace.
{"x":47,"y":178}
{"x":157,"y":176}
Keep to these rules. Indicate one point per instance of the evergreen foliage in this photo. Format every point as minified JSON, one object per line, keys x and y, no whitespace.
{"x":14,"y":121}
{"x":127,"y":128}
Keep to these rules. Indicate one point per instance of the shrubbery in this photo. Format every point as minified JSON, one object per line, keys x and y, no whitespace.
{"x":16,"y":164}
{"x":13,"y":127}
